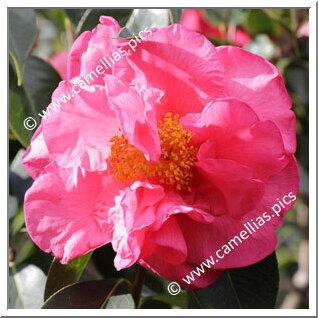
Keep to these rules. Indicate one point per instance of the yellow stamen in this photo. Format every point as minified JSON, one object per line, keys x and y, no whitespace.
{"x":174,"y":167}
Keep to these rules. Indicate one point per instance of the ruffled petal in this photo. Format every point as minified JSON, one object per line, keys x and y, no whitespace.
{"x":133,"y":213}
{"x":143,"y":224}
{"x":36,"y":157}
{"x":76,"y":208}
{"x":204,"y":240}
{"x":91,"y":47}
{"x":228,"y":176}
{"x":258,"y":83}
{"x":229,"y":129}
{"x":136,"y":115}
{"x":78,"y":133}
{"x":181,"y":63}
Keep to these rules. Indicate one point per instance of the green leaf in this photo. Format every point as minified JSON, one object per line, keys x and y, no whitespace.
{"x":56,"y":16}
{"x":18,"y":221}
{"x":180,"y":300}
{"x":13,"y":206}
{"x":124,"y":34}
{"x":23,"y":247}
{"x":84,"y":20}
{"x":89,"y":295}
{"x":254,"y":286}
{"x":175,"y":15}
{"x":238,"y":16}
{"x":259,"y":22}
{"x":215,"y":16}
{"x":121,"y":302}
{"x":147,"y":18}
{"x":150,"y":303}
{"x":60,"y":275}
{"x":11,"y":134}
{"x":40,"y":80}
{"x":29,"y":99}
{"x":22,"y":34}
{"x":285,"y":17}
{"x":26,"y":286}
{"x":261,"y":45}
{"x":75,"y":15}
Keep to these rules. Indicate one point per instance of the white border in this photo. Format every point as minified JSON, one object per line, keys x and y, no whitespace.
{"x":312,"y":163}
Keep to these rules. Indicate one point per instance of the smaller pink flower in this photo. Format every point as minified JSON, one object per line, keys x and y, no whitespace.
{"x":195,"y":20}
{"x":59,"y":63}
{"x":303,"y":30}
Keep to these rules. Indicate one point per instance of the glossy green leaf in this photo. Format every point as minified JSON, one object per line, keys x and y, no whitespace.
{"x":29,"y":99}
{"x":11,"y":134}
{"x":89,"y":295}
{"x":75,"y":15}
{"x":22,"y":34}
{"x":284,"y":17}
{"x":60,"y":275}
{"x":254,"y":286}
{"x":40,"y":80}
{"x":147,"y":18}
{"x":23,"y":247}
{"x":180,"y":300}
{"x":26,"y":286}
{"x":259,"y":22}
{"x":261,"y":45}
{"x":150,"y":303}
{"x":121,"y":302}
{"x":18,"y":221}
{"x":56,"y":16}
{"x":84,"y":20}
{"x":175,"y":15}
{"x":215,"y":16}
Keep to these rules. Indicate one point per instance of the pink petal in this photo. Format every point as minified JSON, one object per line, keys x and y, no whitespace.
{"x":133,"y":213}
{"x":256,"y":82}
{"x":76,"y":212}
{"x":241,"y":37}
{"x":224,"y":116}
{"x":143,"y":225}
{"x":175,"y":273}
{"x":303,"y":30}
{"x":136,"y":116}
{"x":228,"y":176}
{"x":59,"y":62}
{"x":91,"y":46}
{"x":203,"y":240}
{"x":169,"y":242}
{"x":78,"y":133}
{"x":232,"y":131}
{"x":194,"y":19}
{"x":36,"y":157}
{"x":181,"y":63}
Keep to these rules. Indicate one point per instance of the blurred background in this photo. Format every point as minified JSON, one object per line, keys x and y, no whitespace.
{"x":279,"y":35}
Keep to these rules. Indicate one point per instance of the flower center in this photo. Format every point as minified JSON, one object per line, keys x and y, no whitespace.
{"x":174,"y":166}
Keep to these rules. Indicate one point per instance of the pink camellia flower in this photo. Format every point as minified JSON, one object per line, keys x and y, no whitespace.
{"x":195,"y":20}
{"x":303,"y":30}
{"x":59,"y":62}
{"x":166,"y":159}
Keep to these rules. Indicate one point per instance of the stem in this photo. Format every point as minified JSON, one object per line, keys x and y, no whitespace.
{"x":138,"y":285}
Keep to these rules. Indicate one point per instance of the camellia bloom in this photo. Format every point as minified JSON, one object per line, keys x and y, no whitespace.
{"x":166,"y":158}
{"x":195,"y":20}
